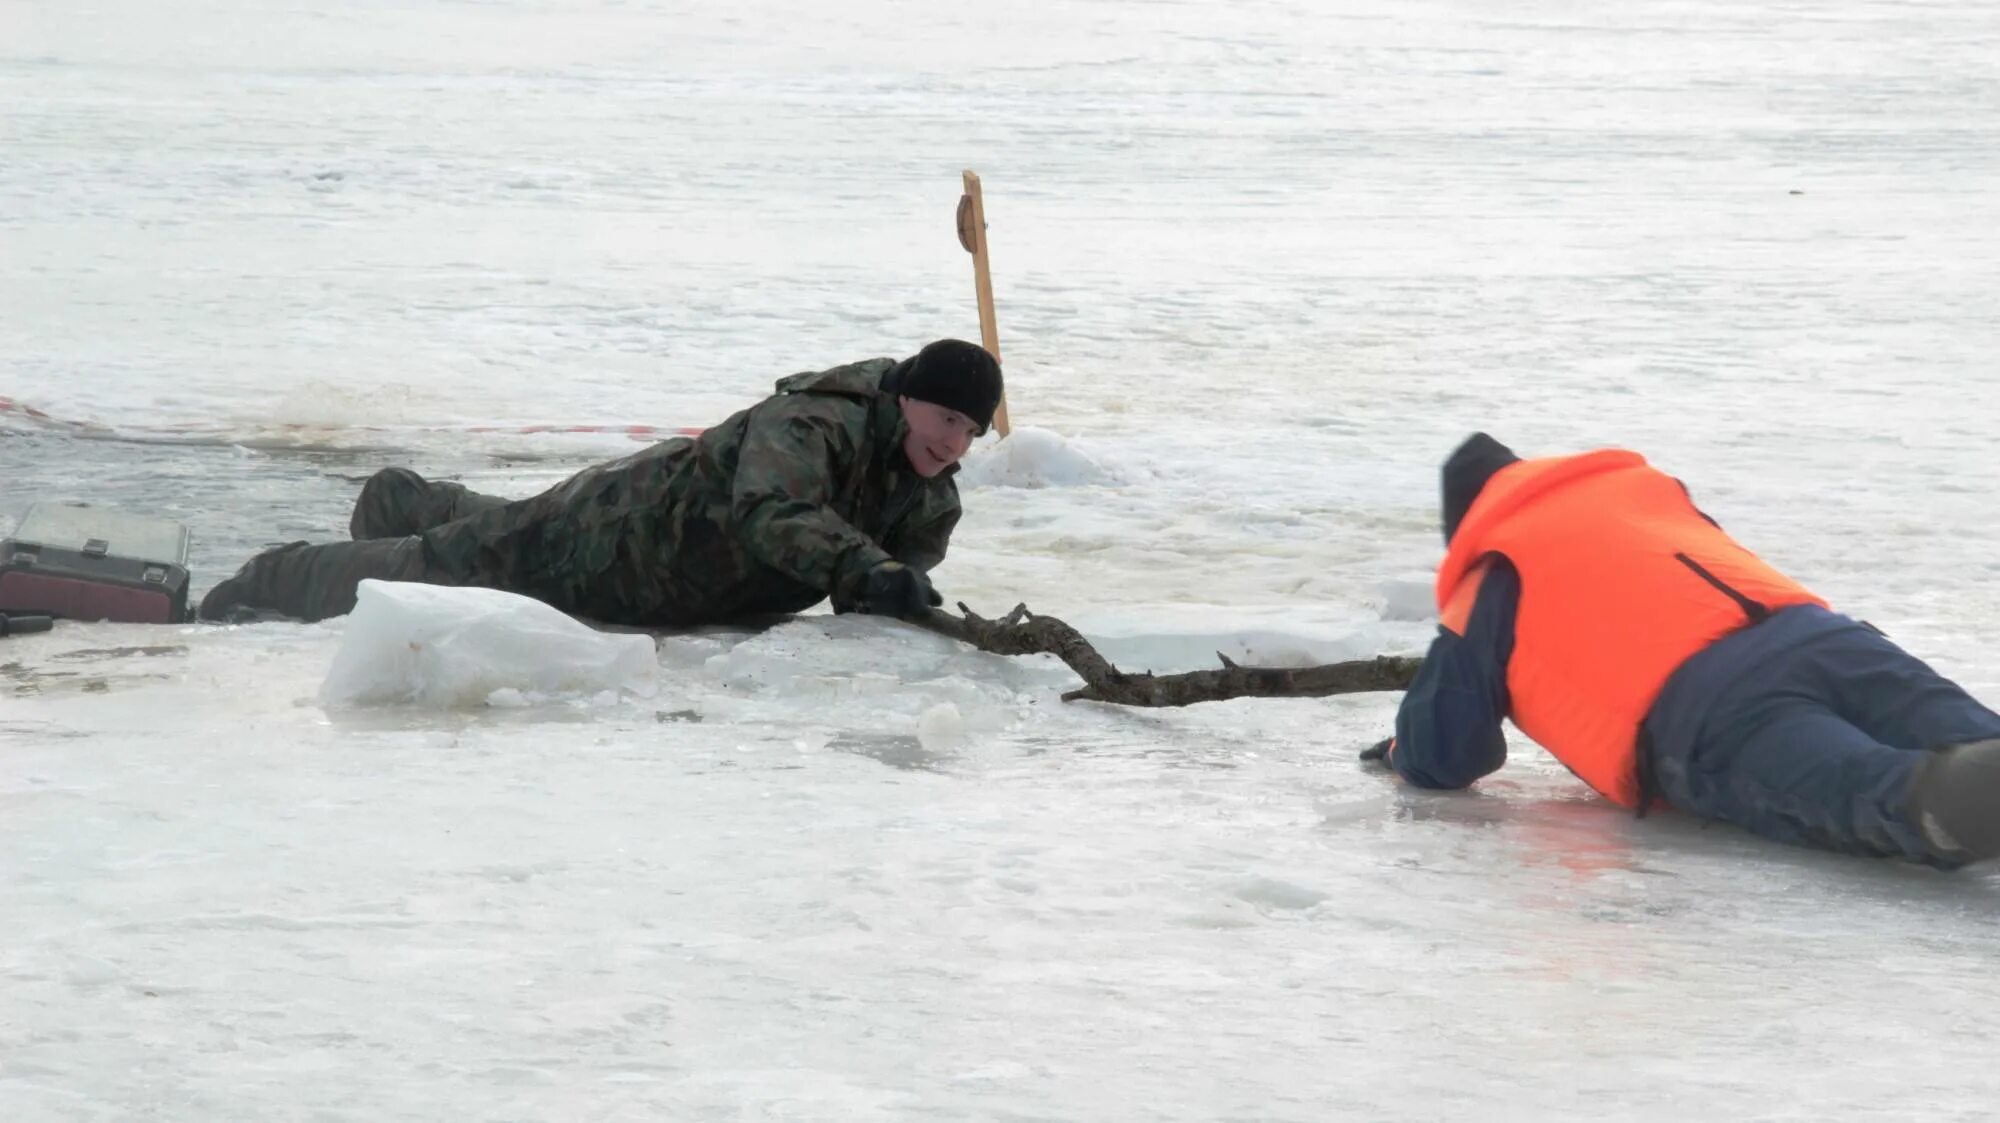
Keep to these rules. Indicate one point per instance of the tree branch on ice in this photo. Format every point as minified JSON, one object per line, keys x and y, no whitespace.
{"x":1022,"y":632}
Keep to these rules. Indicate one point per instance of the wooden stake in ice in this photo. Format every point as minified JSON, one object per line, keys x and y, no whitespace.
{"x":972,"y":235}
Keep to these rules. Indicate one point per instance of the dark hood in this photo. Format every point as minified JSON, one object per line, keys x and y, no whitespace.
{"x":1466,"y":473}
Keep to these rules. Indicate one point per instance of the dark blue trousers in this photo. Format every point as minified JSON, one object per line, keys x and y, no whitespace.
{"x":1806,"y":728}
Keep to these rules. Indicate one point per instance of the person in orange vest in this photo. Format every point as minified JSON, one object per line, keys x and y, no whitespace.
{"x":1587,"y":598}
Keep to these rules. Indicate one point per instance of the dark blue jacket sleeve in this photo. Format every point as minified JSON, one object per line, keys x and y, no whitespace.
{"x":1448,"y":730}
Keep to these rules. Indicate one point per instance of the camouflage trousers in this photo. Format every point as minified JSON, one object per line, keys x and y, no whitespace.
{"x":407,"y":528}
{"x":397,"y":503}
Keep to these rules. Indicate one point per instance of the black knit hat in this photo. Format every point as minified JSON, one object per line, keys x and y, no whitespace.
{"x":956,"y":375}
{"x":1466,"y":474}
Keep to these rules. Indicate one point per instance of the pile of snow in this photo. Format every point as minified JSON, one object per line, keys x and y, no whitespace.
{"x":1167,"y":638}
{"x":449,"y":647}
{"x":941,"y":728}
{"x":1032,"y":458}
{"x":1408,"y":598}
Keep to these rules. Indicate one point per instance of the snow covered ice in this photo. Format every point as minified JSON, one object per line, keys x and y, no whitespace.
{"x":1259,"y":266}
{"x":1031,"y":456}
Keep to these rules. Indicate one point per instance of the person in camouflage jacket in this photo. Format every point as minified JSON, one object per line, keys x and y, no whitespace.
{"x":838,"y":485}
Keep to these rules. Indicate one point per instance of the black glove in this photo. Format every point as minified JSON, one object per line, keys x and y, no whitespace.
{"x":894,"y":589}
{"x":1378,"y":753}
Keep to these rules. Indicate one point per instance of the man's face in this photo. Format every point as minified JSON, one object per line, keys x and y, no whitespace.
{"x":938,"y":436}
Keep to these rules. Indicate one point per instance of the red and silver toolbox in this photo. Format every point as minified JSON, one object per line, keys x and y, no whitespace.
{"x":89,"y":563}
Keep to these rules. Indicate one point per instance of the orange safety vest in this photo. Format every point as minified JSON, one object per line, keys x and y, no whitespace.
{"x":1621,"y":580}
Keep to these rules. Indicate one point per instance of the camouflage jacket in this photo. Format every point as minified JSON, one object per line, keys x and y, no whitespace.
{"x":781,"y":506}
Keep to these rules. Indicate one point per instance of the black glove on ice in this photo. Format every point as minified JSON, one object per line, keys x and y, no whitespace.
{"x":894,"y":589}
{"x":1378,"y":753}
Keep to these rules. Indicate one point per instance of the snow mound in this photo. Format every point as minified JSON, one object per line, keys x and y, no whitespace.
{"x":941,"y":728}
{"x":1169,"y":638}
{"x":449,"y":647}
{"x":1408,"y":598}
{"x":1032,"y":458}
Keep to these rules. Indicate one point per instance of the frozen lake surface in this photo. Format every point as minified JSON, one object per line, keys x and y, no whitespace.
{"x":1259,"y":265}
